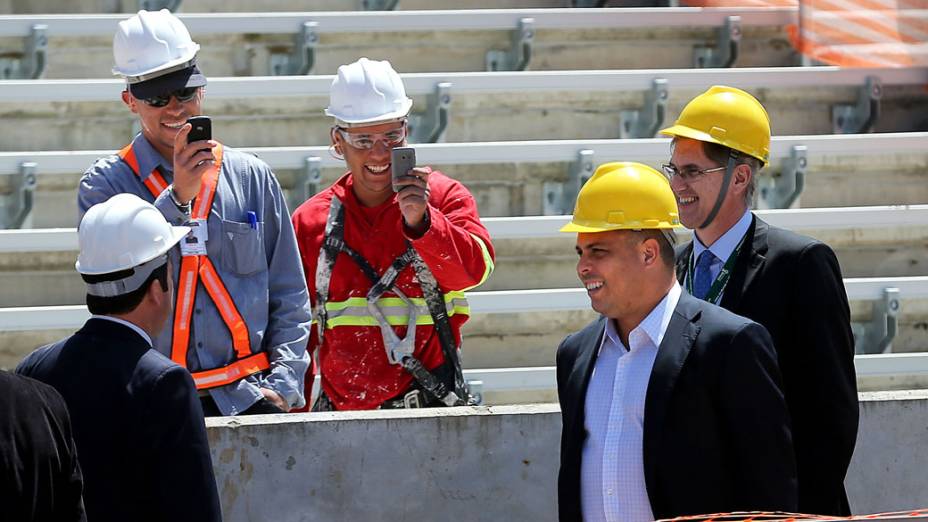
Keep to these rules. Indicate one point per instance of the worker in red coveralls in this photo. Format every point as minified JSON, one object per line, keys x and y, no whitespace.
{"x":387,"y":261}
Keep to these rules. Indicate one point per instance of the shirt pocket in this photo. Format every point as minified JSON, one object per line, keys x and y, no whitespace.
{"x":243,"y":247}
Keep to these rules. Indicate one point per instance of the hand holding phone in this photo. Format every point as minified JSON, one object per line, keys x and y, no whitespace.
{"x":402,"y":160}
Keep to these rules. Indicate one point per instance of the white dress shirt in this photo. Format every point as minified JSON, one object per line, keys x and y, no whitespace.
{"x":723,"y":246}
{"x":612,"y":486}
{"x":125,"y":323}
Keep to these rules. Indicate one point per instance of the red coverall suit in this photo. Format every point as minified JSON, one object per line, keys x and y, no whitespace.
{"x":356,"y":373}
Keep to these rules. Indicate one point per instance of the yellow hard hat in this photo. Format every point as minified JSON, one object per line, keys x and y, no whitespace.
{"x":729,"y":117}
{"x":624,"y":196}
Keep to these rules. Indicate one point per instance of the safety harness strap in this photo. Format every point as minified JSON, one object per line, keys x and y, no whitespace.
{"x":196,"y":268}
{"x":333,"y":245}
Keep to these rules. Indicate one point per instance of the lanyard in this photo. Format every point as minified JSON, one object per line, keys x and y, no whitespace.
{"x":721,"y":281}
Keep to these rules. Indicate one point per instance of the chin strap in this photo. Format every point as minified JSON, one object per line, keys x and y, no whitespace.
{"x":723,"y":190}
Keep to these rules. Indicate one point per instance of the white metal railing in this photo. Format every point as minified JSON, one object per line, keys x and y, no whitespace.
{"x":496,"y":302}
{"x":539,"y":151}
{"x":199,"y":24}
{"x":103,"y":90}
{"x":543,"y":378}
{"x":537,"y":227}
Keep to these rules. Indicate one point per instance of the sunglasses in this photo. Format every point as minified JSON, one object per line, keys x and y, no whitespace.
{"x":366,"y":141}
{"x":181,"y":95}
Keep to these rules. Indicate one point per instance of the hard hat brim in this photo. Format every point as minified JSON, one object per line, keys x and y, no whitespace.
{"x":189,"y":77}
{"x":686,"y":132}
{"x":372,"y":120}
{"x":177,"y":233}
{"x":574,"y":227}
{"x":683,"y":131}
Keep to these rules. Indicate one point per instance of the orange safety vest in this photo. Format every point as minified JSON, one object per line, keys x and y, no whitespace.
{"x":199,"y":267}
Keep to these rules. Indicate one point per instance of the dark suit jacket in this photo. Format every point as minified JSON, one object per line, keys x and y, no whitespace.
{"x":40,"y":480}
{"x":716,"y":430}
{"x":792,"y":285}
{"x":137,"y":422}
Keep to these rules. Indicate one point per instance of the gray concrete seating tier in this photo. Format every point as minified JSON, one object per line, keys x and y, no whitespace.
{"x":244,"y":44}
{"x":37,"y":265}
{"x":514,"y":178}
{"x":510,"y":328}
{"x":500,"y":462}
{"x":530,"y":105}
{"x":229,"y":6}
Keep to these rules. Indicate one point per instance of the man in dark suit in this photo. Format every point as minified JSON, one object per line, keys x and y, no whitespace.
{"x":670,"y":405}
{"x":789,"y":283}
{"x":39,"y":474}
{"x":138,"y":424}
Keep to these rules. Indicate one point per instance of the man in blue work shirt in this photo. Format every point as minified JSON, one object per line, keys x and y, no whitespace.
{"x":242,"y":314}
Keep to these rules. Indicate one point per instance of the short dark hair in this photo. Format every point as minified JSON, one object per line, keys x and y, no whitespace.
{"x":666,"y":249}
{"x":720,"y":154}
{"x":125,"y":303}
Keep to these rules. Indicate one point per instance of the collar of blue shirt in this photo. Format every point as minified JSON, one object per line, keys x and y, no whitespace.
{"x":149,"y":158}
{"x":726,"y":244}
{"x":651,"y":329}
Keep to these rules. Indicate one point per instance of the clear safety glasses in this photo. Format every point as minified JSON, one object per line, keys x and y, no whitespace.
{"x":366,"y":141}
{"x":688,"y":173}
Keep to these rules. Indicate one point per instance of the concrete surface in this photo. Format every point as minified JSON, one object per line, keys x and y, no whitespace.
{"x":433,"y":51}
{"x":484,"y":463}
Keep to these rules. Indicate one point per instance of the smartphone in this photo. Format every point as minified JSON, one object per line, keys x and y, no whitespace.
{"x":402,"y":160}
{"x":202,"y":129}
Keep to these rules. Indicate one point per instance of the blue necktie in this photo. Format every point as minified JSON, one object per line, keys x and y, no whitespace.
{"x":703,"y":278}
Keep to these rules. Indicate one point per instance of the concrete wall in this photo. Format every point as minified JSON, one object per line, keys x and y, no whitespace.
{"x":496,"y":463}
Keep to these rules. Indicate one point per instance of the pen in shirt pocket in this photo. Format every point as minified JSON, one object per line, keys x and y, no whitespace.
{"x":252,"y":220}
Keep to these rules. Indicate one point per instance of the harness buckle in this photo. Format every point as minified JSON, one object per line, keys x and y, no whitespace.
{"x":413,"y":399}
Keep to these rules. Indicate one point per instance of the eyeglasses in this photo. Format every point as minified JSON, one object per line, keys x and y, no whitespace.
{"x":366,"y":141}
{"x":181,"y":95}
{"x":689,"y":173}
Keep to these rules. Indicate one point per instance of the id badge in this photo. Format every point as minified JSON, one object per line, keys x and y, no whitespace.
{"x":194,"y":243}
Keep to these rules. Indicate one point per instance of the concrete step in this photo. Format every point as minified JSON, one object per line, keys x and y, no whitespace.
{"x":230,"y":6}
{"x":509,"y":329}
{"x":573,"y":113}
{"x":518,"y":188}
{"x":37,"y":266}
{"x":456,"y":40}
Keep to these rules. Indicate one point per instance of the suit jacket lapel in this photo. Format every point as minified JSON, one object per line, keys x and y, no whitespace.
{"x":749,"y":263}
{"x":682,"y":256}
{"x":588,"y":341}
{"x":678,"y":341}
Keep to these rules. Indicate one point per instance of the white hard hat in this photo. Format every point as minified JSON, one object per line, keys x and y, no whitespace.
{"x":124,"y":233}
{"x":152,"y":44}
{"x":367,"y":92}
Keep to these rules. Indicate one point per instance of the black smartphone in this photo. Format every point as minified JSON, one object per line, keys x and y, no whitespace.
{"x":202,"y":129}
{"x":402,"y":160}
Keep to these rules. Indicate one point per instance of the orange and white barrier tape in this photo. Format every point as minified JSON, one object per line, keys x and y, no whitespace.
{"x":767,"y":516}
{"x":863,"y":33}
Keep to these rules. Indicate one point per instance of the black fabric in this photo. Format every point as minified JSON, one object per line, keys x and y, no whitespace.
{"x":793,"y":286}
{"x":40,"y":479}
{"x":189,"y":77}
{"x":716,"y":431}
{"x":137,"y":423}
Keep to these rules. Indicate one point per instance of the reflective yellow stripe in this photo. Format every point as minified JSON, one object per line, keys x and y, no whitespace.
{"x":487,"y":263}
{"x":354,"y":312}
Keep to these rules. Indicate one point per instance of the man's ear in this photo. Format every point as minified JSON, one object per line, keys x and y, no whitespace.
{"x":650,"y":251}
{"x":130,"y":101}
{"x":155,"y":294}
{"x":336,"y":140}
{"x":741,"y":178}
